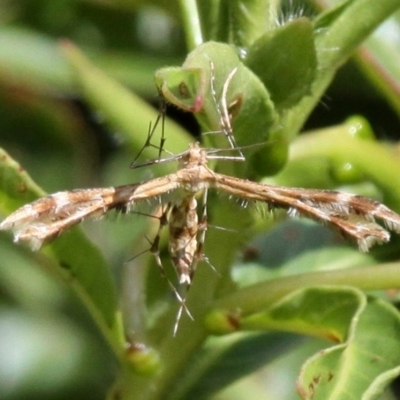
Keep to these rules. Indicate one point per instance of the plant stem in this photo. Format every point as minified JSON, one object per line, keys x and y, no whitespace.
{"x":256,"y":297}
{"x":191,"y":23}
{"x":348,"y":31}
{"x":373,"y":159}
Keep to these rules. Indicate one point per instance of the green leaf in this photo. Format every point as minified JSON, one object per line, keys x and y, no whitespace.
{"x":255,"y":300}
{"x":72,"y":257}
{"x":286,"y":62}
{"x":338,"y":35}
{"x":248,"y":20}
{"x":294,"y":247}
{"x":17,"y":187}
{"x":324,"y":312}
{"x":331,"y":14}
{"x":363,"y":365}
{"x":369,"y":330}
{"x":364,"y":326}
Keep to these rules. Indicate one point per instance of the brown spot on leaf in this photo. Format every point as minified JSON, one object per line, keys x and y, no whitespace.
{"x":250,"y":253}
{"x":21,"y":187}
{"x":131,"y":348}
{"x":317,"y":379}
{"x":183,"y":90}
{"x":311,"y":391}
{"x":234,"y":320}
{"x":235,"y":106}
{"x":333,"y":337}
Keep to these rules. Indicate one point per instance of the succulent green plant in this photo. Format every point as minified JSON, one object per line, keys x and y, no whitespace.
{"x":290,"y":280}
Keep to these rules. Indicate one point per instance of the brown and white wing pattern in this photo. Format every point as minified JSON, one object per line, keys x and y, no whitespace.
{"x":354,"y":216}
{"x":48,"y":217}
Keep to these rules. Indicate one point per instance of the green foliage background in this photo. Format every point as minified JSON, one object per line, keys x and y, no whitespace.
{"x":57,"y":345}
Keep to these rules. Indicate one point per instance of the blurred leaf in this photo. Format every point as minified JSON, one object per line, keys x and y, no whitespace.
{"x":379,"y":57}
{"x":295,"y":247}
{"x":325,"y":312}
{"x":85,"y":270}
{"x":224,"y":317}
{"x":33,"y":59}
{"x":47,"y":349}
{"x":124,"y":111}
{"x":226,"y":359}
{"x":337,"y":313}
{"x":248,"y":20}
{"x":338,"y":37}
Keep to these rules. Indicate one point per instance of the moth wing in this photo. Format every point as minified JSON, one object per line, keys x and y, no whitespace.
{"x":354,"y":216}
{"x":50,"y":216}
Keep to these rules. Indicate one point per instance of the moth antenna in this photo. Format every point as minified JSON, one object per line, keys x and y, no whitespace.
{"x":156,"y":161}
{"x":163,"y":112}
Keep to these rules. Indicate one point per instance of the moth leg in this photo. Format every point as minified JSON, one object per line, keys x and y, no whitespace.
{"x":222,"y":107}
{"x":150,"y":133}
{"x":203,"y":226}
{"x":201,"y":236}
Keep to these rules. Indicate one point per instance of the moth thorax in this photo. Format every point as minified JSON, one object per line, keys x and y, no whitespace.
{"x":195,"y":156}
{"x":195,"y":186}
